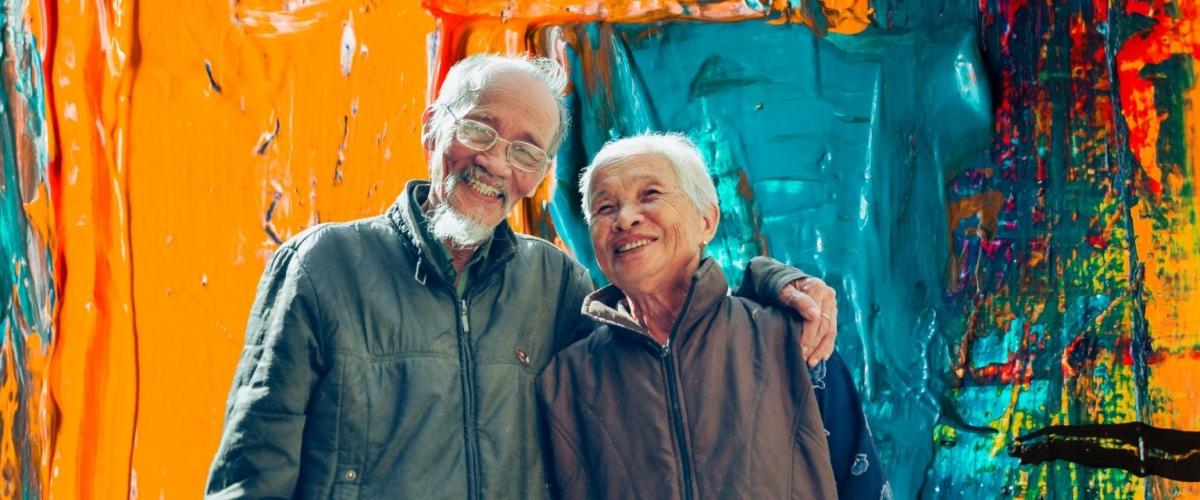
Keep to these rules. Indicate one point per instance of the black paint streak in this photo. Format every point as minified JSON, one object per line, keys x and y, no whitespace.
{"x":949,"y":413}
{"x":267,"y":224}
{"x":1136,"y":447}
{"x":262,"y":148}
{"x":211,"y":81}
{"x":341,"y":152}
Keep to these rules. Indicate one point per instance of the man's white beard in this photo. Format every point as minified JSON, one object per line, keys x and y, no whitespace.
{"x":448,"y":224}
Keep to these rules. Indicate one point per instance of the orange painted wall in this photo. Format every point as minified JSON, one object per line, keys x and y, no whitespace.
{"x":93,"y":367}
{"x":167,"y":185}
{"x":346,"y":143}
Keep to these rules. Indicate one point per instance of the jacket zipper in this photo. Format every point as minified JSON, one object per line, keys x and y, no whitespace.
{"x":675,"y":399}
{"x":677,"y":419}
{"x":466,"y":359}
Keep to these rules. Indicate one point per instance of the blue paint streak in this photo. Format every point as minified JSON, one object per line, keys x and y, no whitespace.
{"x":845,"y":146}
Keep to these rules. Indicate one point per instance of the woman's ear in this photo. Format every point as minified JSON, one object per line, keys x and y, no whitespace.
{"x":710,"y":218}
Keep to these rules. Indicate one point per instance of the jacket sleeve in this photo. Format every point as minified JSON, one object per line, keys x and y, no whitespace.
{"x":259,"y":453}
{"x":856,"y":465}
{"x":572,"y":324}
{"x":765,"y":278}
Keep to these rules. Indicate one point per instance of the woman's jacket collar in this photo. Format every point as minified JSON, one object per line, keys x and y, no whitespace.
{"x":707,"y":290}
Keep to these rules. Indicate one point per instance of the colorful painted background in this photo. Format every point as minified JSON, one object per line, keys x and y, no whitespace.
{"x":1001,"y":192}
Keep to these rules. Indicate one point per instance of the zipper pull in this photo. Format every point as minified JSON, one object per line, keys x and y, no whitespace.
{"x":666,"y":350}
{"x":462,"y":315}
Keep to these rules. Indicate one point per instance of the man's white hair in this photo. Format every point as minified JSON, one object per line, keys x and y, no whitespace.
{"x":466,"y":80}
{"x":679,"y":151}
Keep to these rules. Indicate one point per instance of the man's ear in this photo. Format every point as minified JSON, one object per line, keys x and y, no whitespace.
{"x":427,"y":136}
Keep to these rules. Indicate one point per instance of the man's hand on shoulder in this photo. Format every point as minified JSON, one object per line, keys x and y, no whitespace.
{"x":817,"y":304}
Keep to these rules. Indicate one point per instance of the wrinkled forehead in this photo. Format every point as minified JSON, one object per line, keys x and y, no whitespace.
{"x":509,"y":95}
{"x":623,"y":173}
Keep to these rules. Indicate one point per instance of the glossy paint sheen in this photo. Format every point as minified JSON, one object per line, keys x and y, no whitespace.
{"x":181,"y":143}
{"x":979,"y":211}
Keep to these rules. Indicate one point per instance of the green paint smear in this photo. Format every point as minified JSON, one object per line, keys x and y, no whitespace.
{"x":26,"y":274}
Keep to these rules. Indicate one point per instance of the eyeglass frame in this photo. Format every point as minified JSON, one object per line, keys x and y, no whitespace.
{"x":496,"y":138}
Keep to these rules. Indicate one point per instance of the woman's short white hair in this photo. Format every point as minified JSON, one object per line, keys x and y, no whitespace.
{"x":679,"y":151}
{"x":466,"y":80}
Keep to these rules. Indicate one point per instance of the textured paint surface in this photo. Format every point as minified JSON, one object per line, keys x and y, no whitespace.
{"x":311,"y":113}
{"x":191,"y":139}
{"x":27,"y":290}
{"x":94,"y":365}
{"x":1002,"y":193}
{"x":825,"y":156}
{"x":1086,"y":274}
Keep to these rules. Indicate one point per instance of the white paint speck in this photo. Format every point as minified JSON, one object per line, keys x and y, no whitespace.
{"x":348,"y":45}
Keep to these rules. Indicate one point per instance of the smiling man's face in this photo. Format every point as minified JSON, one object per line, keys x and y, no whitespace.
{"x":480,"y":188}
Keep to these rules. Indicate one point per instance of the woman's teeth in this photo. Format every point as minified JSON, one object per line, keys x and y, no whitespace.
{"x":632,"y":245}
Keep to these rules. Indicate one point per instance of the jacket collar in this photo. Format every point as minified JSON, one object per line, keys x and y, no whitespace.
{"x":403,"y":217}
{"x":707,"y":290}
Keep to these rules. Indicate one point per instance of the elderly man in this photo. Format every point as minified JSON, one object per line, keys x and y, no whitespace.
{"x":394,"y":357}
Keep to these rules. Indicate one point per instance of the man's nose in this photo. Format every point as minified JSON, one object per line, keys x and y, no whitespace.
{"x":495,"y":160}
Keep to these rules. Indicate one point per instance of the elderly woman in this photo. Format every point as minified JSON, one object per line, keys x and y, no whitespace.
{"x":683,"y":391}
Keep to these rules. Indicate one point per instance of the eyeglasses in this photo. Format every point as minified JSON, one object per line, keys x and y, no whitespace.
{"x":481,"y":137}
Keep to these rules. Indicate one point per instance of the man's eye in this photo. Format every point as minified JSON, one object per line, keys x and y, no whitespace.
{"x":476,"y":130}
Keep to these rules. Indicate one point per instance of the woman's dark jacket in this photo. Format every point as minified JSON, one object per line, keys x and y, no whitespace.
{"x":725,"y":410}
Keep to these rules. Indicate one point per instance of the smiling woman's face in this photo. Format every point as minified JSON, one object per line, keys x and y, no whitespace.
{"x":645,"y":230}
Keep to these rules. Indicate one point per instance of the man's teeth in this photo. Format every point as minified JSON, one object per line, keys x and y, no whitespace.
{"x":632,"y":245}
{"x":483,"y":188}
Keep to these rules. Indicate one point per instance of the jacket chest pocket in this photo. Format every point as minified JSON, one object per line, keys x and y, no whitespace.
{"x":520,"y":345}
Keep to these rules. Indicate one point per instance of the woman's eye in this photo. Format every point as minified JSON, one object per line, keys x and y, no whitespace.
{"x":652,"y":192}
{"x":603,"y":209}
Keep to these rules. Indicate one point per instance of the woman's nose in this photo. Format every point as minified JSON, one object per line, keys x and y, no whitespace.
{"x":627,"y":217}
